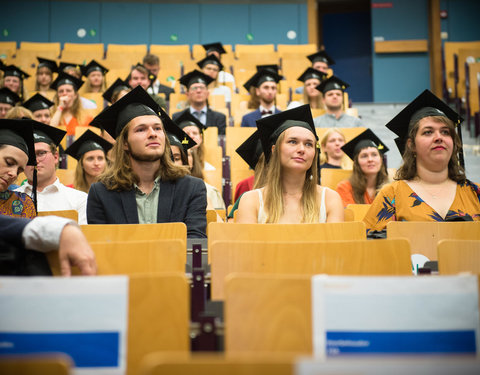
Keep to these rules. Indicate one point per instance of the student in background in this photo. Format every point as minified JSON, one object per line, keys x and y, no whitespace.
{"x":40,"y":106}
{"x":44,"y":77}
{"x":311,"y":78}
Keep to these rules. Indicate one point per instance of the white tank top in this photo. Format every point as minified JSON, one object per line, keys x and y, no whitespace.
{"x":262,"y":216}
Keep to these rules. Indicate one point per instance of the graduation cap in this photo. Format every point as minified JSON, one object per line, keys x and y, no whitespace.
{"x":271,"y":127}
{"x":332,"y":83}
{"x":214,"y":47}
{"x":66,"y":79}
{"x":187,"y":119}
{"x":117,"y":86}
{"x":272,"y":67}
{"x":424,"y":105}
{"x":261,"y":76}
{"x":195,"y":76}
{"x":177,"y":136}
{"x":310,"y":73}
{"x":251,"y":149}
{"x":321,"y":56}
{"x":14,"y":71}
{"x":19,"y":133}
{"x":361,"y":141}
{"x":134,"y":104}
{"x":66,"y":65}
{"x":7,"y":96}
{"x":46,"y":63}
{"x":88,"y":141}
{"x":211,"y":59}
{"x":93,"y":66}
{"x":37,"y":102}
{"x":43,"y":133}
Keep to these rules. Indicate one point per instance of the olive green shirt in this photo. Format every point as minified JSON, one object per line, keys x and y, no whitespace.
{"x":147,"y":204}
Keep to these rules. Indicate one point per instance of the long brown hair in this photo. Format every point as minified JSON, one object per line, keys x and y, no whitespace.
{"x":408,"y":169}
{"x":358,"y":180}
{"x":197,"y":166}
{"x":119,"y":175}
{"x":274,"y":188}
{"x":76,"y":109}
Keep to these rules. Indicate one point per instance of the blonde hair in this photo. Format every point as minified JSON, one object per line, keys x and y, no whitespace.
{"x":19,"y":112}
{"x":50,"y":73}
{"x":76,"y":109}
{"x":260,"y":173}
{"x":197,"y":166}
{"x":323,"y":142}
{"x":274,"y":188}
{"x":317,"y":101}
{"x":88,"y":85}
{"x":119,"y":175}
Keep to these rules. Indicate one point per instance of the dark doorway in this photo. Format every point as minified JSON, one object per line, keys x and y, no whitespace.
{"x":345,"y":32}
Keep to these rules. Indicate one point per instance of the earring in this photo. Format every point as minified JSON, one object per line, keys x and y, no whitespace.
{"x":311,"y":177}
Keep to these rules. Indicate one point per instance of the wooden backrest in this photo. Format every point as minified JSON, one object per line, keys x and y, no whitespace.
{"x":474,"y":55}
{"x":215,"y":364}
{"x":301,"y":49}
{"x":160,"y":49}
{"x":330,"y":177}
{"x":66,"y":176}
{"x":69,"y":214}
{"x":359,"y":210}
{"x":135,"y":232}
{"x":455,"y":256}
{"x":449,"y":49}
{"x":242,"y":49}
{"x":40,"y":47}
{"x":424,"y":236}
{"x":286,"y":232}
{"x":360,"y":257}
{"x":349,"y":133}
{"x":48,"y":364}
{"x":127,"y":48}
{"x":277,"y":317}
{"x":474,"y":74}
{"x":132,"y":257}
{"x":158,"y":316}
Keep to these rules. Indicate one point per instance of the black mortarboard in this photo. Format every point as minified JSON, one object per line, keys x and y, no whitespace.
{"x":134,"y":104}
{"x":50,"y":64}
{"x":37,"y":102}
{"x":118,"y":85}
{"x":251,"y":149}
{"x":424,"y":105}
{"x":88,"y":141}
{"x":332,"y":83}
{"x":262,"y":76}
{"x":19,"y":133}
{"x":66,"y":79}
{"x":321,"y":56}
{"x":195,"y":76}
{"x":187,"y":119}
{"x":64,"y":65}
{"x":272,"y":67}
{"x":14,"y":71}
{"x":93,"y":66}
{"x":177,"y":136}
{"x":7,"y":96}
{"x":211,"y":47}
{"x":310,"y":73}
{"x":47,"y":134}
{"x":361,"y":141}
{"x":271,"y":127}
{"x":211,"y":59}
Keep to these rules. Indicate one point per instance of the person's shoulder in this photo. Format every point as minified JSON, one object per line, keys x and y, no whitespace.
{"x":178,"y":114}
{"x":215,"y":113}
{"x":472,"y":185}
{"x":72,"y":191}
{"x":190,"y":180}
{"x":165,"y":89}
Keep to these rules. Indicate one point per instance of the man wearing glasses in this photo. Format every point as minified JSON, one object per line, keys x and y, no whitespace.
{"x":51,"y":194}
{"x":197,"y":94}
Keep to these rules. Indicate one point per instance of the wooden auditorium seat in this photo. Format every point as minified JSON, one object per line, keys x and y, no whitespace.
{"x":330,"y":177}
{"x":47,"y":363}
{"x":258,"y":49}
{"x":8,"y":50}
{"x":456,"y":256}
{"x":215,"y":364}
{"x":300,"y":49}
{"x":167,"y":49}
{"x":450,"y":49}
{"x":69,"y":214}
{"x":353,"y":257}
{"x":135,"y":232}
{"x":66,"y":176}
{"x":83,"y":52}
{"x":424,"y":236}
{"x":213,"y":155}
{"x":359,"y":211}
{"x":198,"y":52}
{"x":41,"y":47}
{"x":349,"y":133}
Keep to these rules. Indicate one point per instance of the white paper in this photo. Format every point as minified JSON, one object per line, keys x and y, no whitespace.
{"x":85,"y":317}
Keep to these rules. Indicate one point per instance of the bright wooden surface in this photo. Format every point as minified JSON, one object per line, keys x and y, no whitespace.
{"x":359,"y":211}
{"x":449,"y":49}
{"x":424,"y":236}
{"x":158,"y":316}
{"x":69,"y":214}
{"x":455,"y":256}
{"x":330,"y":177}
{"x":463,"y":54}
{"x":132,"y":257}
{"x":241,"y":49}
{"x":474,"y":70}
{"x":135,"y":232}
{"x":41,"y":364}
{"x":401,"y":46}
{"x":361,"y":257}
{"x":349,"y":133}
{"x":66,"y":176}
{"x":212,"y":364}
{"x":276,"y":318}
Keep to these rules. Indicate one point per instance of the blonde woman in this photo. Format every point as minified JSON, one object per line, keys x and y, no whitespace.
{"x":44,"y":77}
{"x":311,"y":78}
{"x":291,"y":194}
{"x":95,"y":74}
{"x":332,"y":155}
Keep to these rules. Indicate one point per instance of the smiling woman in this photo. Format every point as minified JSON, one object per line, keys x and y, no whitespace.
{"x":431,"y":184}
{"x":291,"y":194}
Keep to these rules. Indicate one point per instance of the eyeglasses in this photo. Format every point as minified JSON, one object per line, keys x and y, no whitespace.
{"x":41,"y":155}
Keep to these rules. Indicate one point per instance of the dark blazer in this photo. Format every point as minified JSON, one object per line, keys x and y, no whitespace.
{"x":213,"y":119}
{"x":11,"y":229}
{"x":249,"y":120}
{"x":183,"y":200}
